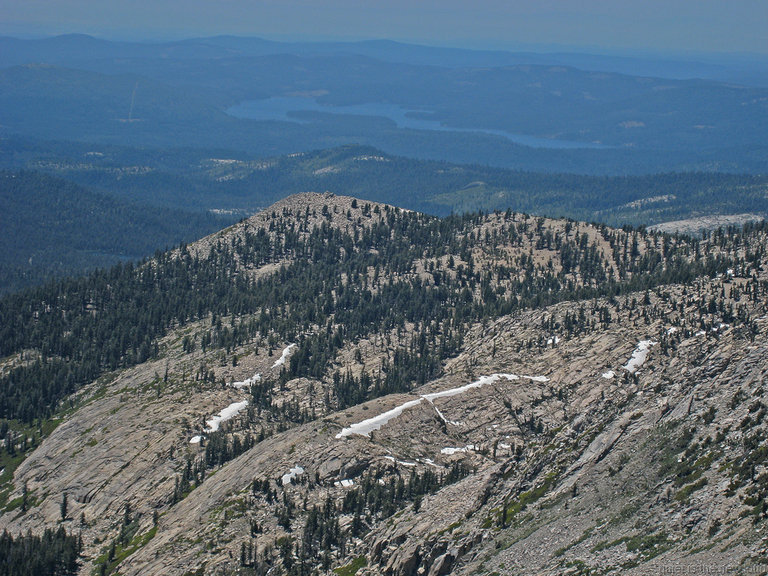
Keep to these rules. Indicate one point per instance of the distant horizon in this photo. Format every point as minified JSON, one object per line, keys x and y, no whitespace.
{"x":534,"y":48}
{"x":653,"y":26}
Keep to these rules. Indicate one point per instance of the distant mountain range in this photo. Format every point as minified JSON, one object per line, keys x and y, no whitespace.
{"x":66,"y":49}
{"x":617,"y":115}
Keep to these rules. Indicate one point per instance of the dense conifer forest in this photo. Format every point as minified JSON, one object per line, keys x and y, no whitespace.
{"x":54,"y":553}
{"x":50,"y":227}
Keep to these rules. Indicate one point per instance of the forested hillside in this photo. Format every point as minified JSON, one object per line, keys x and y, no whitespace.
{"x":50,"y":228}
{"x":114,"y":318}
{"x":216,"y":179}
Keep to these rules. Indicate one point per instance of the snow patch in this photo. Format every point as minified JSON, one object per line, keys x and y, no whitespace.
{"x":482,"y":381}
{"x":401,"y":462}
{"x":639,"y":356}
{"x":344,"y":483}
{"x":672,"y":330}
{"x":213,"y":424}
{"x":227,"y":414}
{"x":284,"y":356}
{"x":247,"y":382}
{"x":292,"y":473}
{"x":440,"y":414}
{"x":451,"y":451}
{"x":365,"y":427}
{"x":609,"y":375}
{"x":554,"y":340}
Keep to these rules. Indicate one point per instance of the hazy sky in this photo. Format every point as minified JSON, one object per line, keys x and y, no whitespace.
{"x":658,"y":25}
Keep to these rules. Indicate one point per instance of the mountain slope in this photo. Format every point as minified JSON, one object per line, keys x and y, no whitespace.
{"x":51,"y":228}
{"x":476,"y":394}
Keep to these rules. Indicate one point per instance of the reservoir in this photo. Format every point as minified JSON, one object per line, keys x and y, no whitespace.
{"x":283,"y":109}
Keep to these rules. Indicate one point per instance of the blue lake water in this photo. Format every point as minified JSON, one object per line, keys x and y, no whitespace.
{"x":284,"y":108}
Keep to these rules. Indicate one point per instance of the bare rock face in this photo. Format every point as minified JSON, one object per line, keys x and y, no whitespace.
{"x":696,"y":225}
{"x":620,"y":434}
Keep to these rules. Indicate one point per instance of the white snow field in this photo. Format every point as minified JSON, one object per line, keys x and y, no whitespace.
{"x":284,"y":356}
{"x":213,"y":424}
{"x":451,"y":451}
{"x":292,"y":473}
{"x":400,"y":462}
{"x":247,"y":382}
{"x":227,"y":414}
{"x":365,"y":427}
{"x":639,"y":356}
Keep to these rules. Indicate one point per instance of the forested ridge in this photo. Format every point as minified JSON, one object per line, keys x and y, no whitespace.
{"x":129,"y":206}
{"x":334,"y":284}
{"x":227,"y":179}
